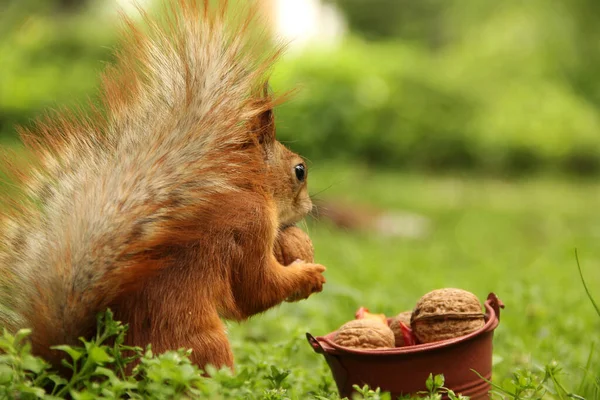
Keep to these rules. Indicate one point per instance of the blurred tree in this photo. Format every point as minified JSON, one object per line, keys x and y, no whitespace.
{"x":583,"y":71}
{"x":51,"y":54}
{"x":71,"y":5}
{"x":420,"y":21}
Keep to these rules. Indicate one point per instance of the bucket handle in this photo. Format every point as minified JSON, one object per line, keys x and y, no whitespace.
{"x":314,"y":343}
{"x":495,"y":303}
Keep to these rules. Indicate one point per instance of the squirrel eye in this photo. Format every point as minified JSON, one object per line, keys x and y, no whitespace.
{"x":300,"y":172}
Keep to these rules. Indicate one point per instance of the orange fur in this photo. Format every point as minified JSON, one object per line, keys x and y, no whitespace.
{"x":164,"y":202}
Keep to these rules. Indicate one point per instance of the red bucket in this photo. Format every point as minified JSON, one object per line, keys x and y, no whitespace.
{"x":404,"y":370}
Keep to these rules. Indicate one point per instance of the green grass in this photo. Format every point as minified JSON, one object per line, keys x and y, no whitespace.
{"x":514,"y":238}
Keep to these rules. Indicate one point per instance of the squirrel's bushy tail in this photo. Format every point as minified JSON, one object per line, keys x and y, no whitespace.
{"x":110,"y":191}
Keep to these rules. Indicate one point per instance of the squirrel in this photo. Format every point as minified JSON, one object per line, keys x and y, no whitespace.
{"x":163,"y":201}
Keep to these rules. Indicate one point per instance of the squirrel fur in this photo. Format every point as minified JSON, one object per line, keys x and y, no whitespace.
{"x":163,"y":202}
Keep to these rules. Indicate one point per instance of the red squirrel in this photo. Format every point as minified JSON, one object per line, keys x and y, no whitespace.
{"x":164,"y":202}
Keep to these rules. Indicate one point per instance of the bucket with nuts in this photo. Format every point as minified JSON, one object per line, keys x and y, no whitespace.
{"x":447,"y":332}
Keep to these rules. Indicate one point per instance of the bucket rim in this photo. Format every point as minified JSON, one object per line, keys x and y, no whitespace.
{"x":324,"y":344}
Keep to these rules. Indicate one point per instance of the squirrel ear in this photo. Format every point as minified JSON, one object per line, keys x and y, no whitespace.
{"x":264,"y":122}
{"x":266,"y":127}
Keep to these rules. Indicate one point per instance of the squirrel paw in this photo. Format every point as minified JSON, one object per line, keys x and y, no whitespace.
{"x":311,"y":281}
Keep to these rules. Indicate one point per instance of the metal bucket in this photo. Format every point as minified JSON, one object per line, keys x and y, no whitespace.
{"x":404,"y":370}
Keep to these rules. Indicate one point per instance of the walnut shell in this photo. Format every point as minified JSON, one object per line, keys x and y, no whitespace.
{"x":293,"y":244}
{"x":403,"y":317}
{"x":365,"y":334}
{"x":446,"y":313}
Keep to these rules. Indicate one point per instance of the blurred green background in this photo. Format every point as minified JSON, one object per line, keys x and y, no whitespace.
{"x":495,"y":87}
{"x":446,"y":108}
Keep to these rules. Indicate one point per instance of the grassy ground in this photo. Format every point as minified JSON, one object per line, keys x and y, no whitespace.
{"x":516,"y":239}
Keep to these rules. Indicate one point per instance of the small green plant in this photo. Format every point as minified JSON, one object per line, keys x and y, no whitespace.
{"x":97,"y":369}
{"x":20,"y":372}
{"x":585,"y":287}
{"x":366,"y":392}
{"x":542,"y":383}
{"x":435,"y":391}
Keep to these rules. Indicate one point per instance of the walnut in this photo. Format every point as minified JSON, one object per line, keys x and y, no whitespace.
{"x":365,"y":334}
{"x":403,"y":317}
{"x":446,"y":313}
{"x":293,"y":244}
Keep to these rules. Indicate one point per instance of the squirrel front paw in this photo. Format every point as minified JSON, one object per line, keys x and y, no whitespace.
{"x":311,"y":280}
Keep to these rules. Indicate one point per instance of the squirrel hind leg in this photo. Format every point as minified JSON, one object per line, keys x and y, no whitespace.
{"x":208,"y":341}
{"x":211,"y":347}
{"x":204,"y":334}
